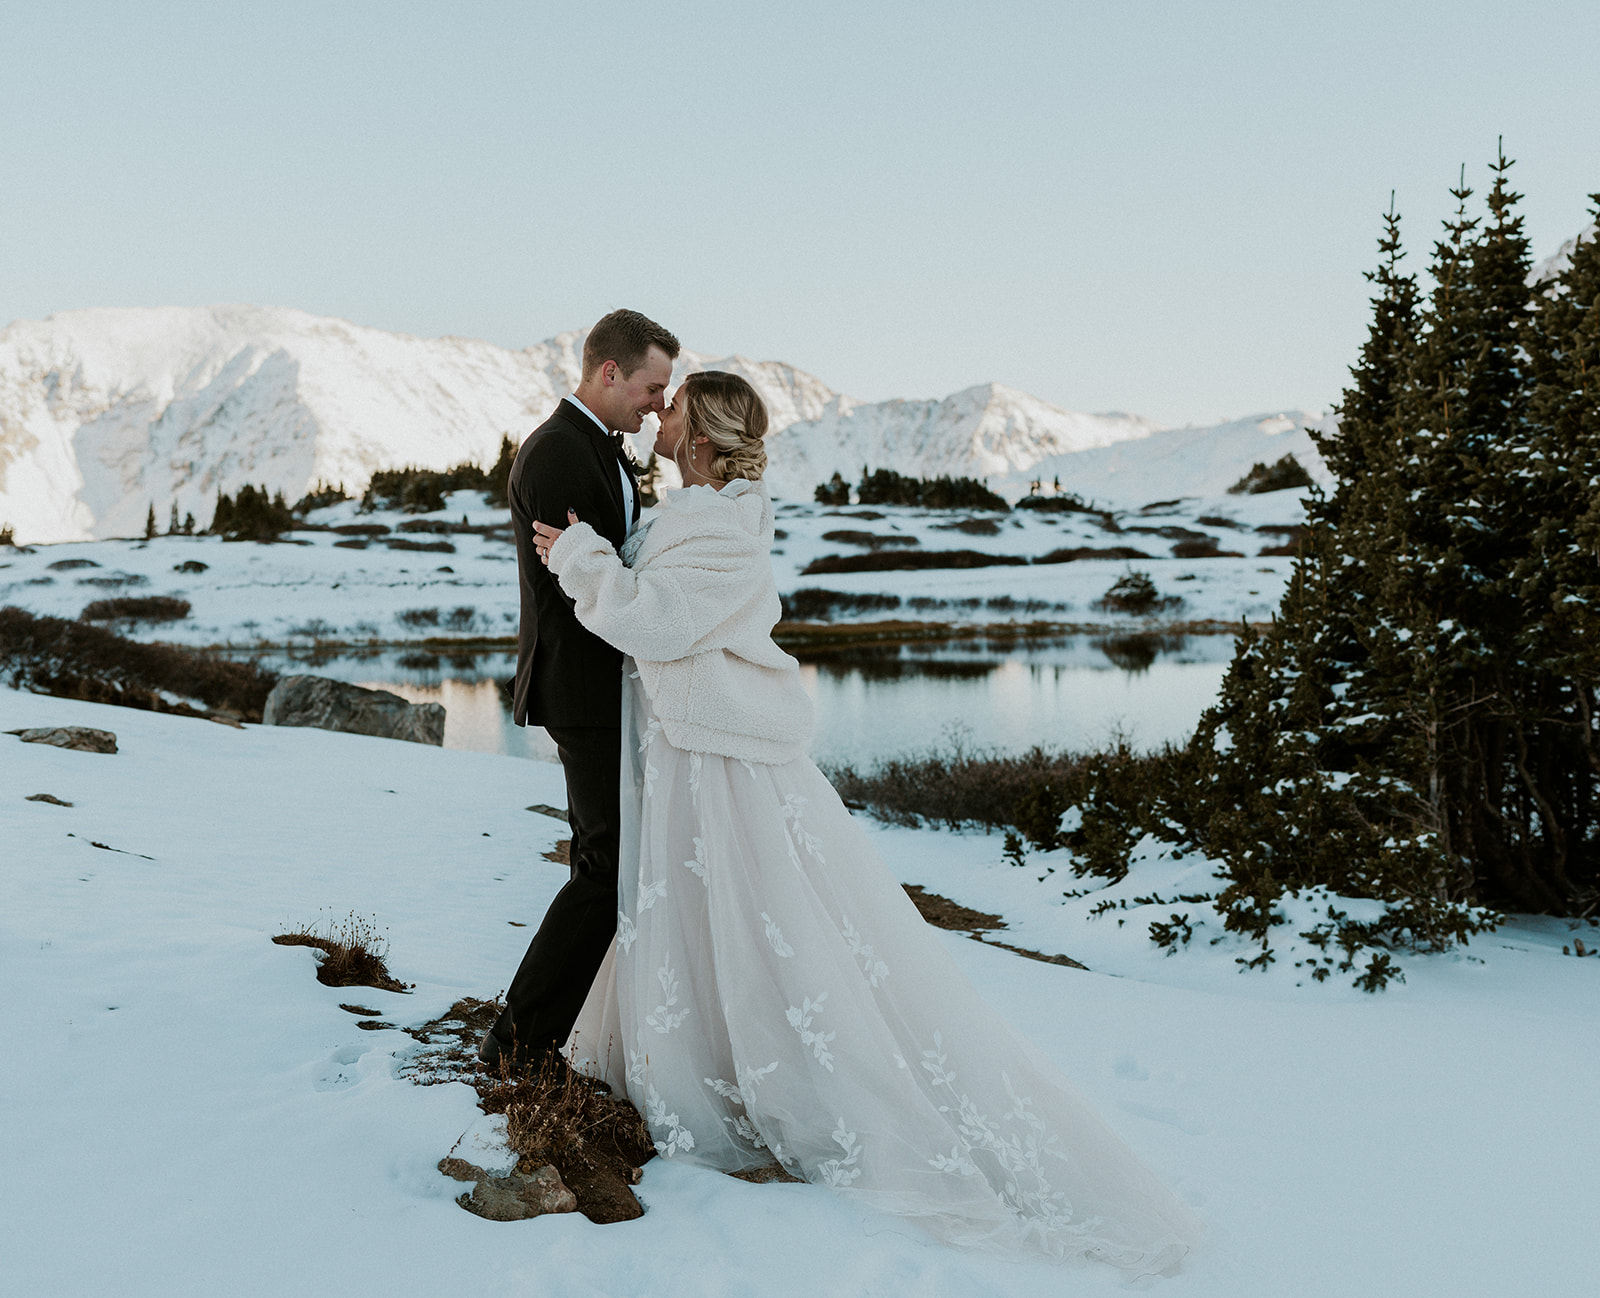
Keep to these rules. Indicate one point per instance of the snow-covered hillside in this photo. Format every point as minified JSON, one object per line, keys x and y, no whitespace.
{"x":988,"y":431}
{"x":1182,"y":462}
{"x":105,"y":413}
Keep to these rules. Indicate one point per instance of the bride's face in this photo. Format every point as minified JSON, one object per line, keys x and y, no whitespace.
{"x":671,"y":426}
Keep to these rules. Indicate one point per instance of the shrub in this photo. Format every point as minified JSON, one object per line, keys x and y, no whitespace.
{"x":313,"y":629}
{"x":811,"y":604}
{"x":1135,"y":593}
{"x":190,"y":565}
{"x":1068,"y":503}
{"x":836,"y":491}
{"x":1121,"y":794}
{"x":8,"y":537}
{"x":320,"y":497}
{"x":418,"y":617}
{"x":422,"y":491}
{"x":1203,"y":549}
{"x":970,"y":526}
{"x":1294,"y":535}
{"x":903,"y":560}
{"x":872,"y":540}
{"x":431,"y":547}
{"x":136,"y":608}
{"x":1073,"y":554}
{"x":52,"y":655}
{"x":1282,"y":475}
{"x":115,"y":580}
{"x":460,"y":619}
{"x":886,"y":487}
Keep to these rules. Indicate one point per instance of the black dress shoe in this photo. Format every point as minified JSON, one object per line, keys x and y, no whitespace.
{"x":496,"y":1056}
{"x":491,"y":1050}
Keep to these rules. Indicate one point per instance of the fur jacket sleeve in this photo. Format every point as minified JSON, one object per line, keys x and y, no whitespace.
{"x":696,"y":609}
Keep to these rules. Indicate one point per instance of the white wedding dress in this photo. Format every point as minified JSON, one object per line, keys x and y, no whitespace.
{"x":773,"y":994}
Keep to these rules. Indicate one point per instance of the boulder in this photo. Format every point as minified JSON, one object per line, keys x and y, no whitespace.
{"x":515,"y":1196}
{"x":83,"y":738}
{"x":335,"y":705}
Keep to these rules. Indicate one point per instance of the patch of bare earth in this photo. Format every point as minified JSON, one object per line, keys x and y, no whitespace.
{"x":555,"y":1119}
{"x":941,"y":912}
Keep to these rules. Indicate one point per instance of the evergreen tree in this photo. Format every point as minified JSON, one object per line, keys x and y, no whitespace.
{"x":835,"y":491}
{"x":495,"y":494}
{"x":150,"y":532}
{"x":172,"y":520}
{"x":1389,"y":736}
{"x":251,"y":515}
{"x":1555,"y":578}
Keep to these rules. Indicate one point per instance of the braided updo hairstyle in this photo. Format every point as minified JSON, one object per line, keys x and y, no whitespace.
{"x":727,"y":411}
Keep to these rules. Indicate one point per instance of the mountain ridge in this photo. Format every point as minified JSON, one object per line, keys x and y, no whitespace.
{"x":108,"y":411}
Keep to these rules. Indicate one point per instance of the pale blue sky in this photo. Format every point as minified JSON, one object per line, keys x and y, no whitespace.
{"x":1156,"y":207}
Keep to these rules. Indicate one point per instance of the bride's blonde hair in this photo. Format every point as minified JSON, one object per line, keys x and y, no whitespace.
{"x":727,"y":411}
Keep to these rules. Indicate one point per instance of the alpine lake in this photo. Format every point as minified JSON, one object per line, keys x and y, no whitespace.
{"x":873,"y":701}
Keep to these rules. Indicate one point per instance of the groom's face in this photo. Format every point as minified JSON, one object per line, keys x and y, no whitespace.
{"x":631,"y":397}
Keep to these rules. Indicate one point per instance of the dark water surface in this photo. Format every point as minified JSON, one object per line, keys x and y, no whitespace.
{"x":876,"y":701}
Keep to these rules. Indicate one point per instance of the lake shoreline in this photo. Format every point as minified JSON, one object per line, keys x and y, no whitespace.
{"x":788,"y":635}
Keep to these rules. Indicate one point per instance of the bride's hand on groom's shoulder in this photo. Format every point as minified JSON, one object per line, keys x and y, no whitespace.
{"x":544,"y":536}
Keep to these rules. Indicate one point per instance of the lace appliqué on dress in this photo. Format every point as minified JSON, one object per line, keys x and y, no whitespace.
{"x":800,"y":1019}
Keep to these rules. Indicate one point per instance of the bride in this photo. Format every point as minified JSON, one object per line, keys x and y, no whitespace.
{"x":772,"y":993}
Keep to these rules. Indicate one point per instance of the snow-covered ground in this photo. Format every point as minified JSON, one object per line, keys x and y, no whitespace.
{"x":185,"y":1110}
{"x":322,"y":589}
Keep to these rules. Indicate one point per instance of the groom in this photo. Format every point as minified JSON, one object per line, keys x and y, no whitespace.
{"x":568,"y":680}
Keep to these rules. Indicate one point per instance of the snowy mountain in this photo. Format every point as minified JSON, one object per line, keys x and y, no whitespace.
{"x":983,"y":432}
{"x":1183,"y":461}
{"x":1559,"y":260}
{"x":105,"y":413}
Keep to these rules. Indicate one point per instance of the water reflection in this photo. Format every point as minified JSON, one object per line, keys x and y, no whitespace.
{"x":875,"y":701}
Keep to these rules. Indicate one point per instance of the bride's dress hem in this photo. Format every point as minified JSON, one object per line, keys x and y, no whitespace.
{"x":773,"y":995}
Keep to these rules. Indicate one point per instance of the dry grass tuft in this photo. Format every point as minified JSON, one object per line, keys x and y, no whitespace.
{"x":353,"y":953}
{"x":555,"y":1115}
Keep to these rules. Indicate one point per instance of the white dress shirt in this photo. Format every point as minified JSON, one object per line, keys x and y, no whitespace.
{"x":627,"y":482}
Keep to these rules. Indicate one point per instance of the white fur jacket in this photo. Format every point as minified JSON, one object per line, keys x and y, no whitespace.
{"x":695,"y":605}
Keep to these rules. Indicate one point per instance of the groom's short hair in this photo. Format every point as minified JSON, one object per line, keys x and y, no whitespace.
{"x":625,"y":337}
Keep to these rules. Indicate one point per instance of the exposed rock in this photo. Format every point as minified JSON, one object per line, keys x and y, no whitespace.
{"x":515,"y":1196}
{"x":48,"y":797}
{"x":335,"y":705}
{"x":82,"y":738}
{"x":768,"y":1174}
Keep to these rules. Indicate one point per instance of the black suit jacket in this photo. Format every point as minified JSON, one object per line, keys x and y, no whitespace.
{"x":566,"y":675}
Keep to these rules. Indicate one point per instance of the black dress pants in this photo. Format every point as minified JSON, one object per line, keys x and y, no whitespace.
{"x":555,"y":975}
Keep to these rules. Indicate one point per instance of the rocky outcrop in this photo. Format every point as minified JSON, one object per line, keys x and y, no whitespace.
{"x":335,"y":705}
{"x":83,"y":738}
